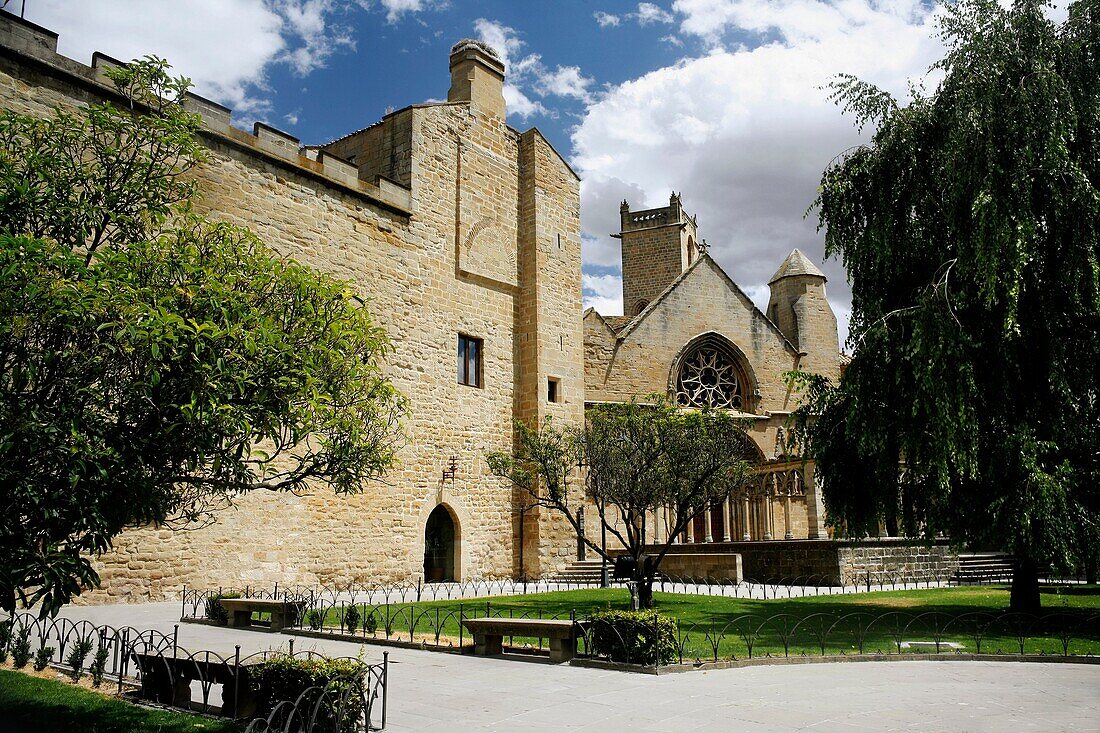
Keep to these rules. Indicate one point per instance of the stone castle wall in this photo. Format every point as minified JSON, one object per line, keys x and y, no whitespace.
{"x":385,"y":220}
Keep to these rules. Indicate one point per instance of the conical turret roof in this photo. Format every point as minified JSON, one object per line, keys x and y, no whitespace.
{"x":796,"y":264}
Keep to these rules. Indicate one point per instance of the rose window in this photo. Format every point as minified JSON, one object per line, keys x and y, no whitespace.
{"x":709,"y":377}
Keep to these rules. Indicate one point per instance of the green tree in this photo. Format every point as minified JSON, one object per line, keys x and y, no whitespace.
{"x":154,"y":365}
{"x":637,"y":459}
{"x":970,"y":230}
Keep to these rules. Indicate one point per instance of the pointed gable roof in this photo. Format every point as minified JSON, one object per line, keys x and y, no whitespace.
{"x":656,"y":304}
{"x":796,"y":264}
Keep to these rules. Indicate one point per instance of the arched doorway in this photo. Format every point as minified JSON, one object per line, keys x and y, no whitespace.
{"x":439,"y":546}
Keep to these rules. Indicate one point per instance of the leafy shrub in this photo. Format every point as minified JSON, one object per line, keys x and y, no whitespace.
{"x":314,"y":619}
{"x":283,"y":677}
{"x":42,"y":658}
{"x":636,"y":637}
{"x":80,"y":651}
{"x":370,"y":623}
{"x":5,"y":640}
{"x":351,"y":619}
{"x":99,"y":664}
{"x":21,"y":648}
{"x":215,"y":611}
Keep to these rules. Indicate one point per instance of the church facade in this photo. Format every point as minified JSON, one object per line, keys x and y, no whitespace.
{"x":463,"y":236}
{"x":692,"y":334}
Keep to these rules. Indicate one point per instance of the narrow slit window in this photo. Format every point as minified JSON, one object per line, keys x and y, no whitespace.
{"x":553,"y":389}
{"x":469,"y":361}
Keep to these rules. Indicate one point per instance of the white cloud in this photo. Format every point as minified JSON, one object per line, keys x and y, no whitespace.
{"x":745,"y":133}
{"x":649,"y":13}
{"x":224,"y":46}
{"x":518,"y":103}
{"x":395,"y":9}
{"x":564,"y":81}
{"x":528,"y":72}
{"x":504,"y":40}
{"x":604,"y":293}
{"x":308,"y":21}
{"x":606,"y":19}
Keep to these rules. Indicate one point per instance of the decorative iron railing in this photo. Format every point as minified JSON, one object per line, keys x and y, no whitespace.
{"x":194,"y":601}
{"x":151,"y":665}
{"x":1068,"y":632}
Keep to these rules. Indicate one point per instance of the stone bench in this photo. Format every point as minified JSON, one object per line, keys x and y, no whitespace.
{"x":283,"y":613}
{"x":167,"y":681}
{"x":489,"y":634}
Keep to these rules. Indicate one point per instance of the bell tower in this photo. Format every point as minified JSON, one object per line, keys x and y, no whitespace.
{"x":657,"y":246}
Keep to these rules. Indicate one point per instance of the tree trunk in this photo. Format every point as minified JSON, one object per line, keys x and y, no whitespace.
{"x":1025,"y":587}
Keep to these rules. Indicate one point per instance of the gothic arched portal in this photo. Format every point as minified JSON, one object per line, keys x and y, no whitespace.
{"x":440,"y":555}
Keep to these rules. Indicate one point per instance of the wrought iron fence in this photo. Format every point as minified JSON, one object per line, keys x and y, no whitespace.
{"x":151,"y":665}
{"x":195,"y":601}
{"x":860,"y":633}
{"x":1066,"y":633}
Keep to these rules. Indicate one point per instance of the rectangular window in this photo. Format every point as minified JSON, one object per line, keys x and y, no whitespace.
{"x":469,"y":361}
{"x":553,"y":389}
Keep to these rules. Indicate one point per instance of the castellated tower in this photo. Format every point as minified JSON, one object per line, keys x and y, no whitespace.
{"x":799,"y":308}
{"x":477,"y":76}
{"x":657,"y":246}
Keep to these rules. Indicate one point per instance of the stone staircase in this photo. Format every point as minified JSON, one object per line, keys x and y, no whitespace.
{"x":976,"y":568}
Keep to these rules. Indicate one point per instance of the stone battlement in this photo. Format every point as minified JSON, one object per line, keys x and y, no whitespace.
{"x":29,"y":44}
{"x":673,"y":214}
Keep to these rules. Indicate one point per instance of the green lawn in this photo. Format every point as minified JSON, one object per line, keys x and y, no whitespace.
{"x":34,"y":705}
{"x":714,"y":625}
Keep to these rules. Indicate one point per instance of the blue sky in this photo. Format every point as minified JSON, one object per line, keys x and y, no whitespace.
{"x":721,"y":100}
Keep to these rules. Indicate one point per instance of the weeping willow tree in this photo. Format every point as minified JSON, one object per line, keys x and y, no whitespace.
{"x":969,"y":227}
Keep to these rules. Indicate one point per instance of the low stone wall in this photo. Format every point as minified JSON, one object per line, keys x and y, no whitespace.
{"x":710,"y":565}
{"x":828,"y":562}
{"x":862,"y":562}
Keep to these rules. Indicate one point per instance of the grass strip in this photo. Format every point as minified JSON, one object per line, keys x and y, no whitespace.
{"x":35,"y":705}
{"x":716,"y":626}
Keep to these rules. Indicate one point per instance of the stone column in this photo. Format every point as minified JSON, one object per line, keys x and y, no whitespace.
{"x":708,"y":535}
{"x":691,"y":530}
{"x":746,"y":535}
{"x":788,"y":535}
{"x":727,"y":519}
{"x":767,"y":501}
{"x":815,"y":509}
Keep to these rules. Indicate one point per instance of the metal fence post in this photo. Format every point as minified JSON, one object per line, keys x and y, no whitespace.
{"x":236,"y":680}
{"x":125,"y":652}
{"x":175,"y":640}
{"x":657,"y":647}
{"x":385,"y":684}
{"x":183,"y":602}
{"x":292,"y":646}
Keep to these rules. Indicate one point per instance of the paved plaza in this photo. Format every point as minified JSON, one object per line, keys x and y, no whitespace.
{"x":432,"y":691}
